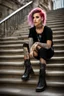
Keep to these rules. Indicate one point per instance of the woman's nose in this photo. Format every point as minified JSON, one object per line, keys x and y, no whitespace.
{"x":34,"y":19}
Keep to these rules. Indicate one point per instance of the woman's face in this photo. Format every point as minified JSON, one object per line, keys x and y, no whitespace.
{"x":37,"y":19}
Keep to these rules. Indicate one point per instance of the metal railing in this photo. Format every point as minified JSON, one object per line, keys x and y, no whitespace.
{"x":11,"y":22}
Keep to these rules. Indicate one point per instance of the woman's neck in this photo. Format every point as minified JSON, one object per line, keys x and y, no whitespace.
{"x":40,"y":29}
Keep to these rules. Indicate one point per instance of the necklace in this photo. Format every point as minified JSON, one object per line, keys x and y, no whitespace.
{"x":39,"y":36}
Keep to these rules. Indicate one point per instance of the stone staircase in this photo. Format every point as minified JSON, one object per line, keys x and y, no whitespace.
{"x":12,"y":64}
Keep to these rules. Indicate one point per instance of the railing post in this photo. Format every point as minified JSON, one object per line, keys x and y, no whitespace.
{"x":4,"y":29}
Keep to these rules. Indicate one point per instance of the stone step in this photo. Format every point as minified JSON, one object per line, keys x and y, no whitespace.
{"x":52,"y":27}
{"x":20,"y":51}
{"x":57,"y":20}
{"x":18,"y":33}
{"x":53,"y":16}
{"x":55,"y":26}
{"x":49,"y":20}
{"x":18,"y":56}
{"x":59,"y":17}
{"x":26,"y":36}
{"x":19,"y":83}
{"x":59,"y":11}
{"x":20,"y":72}
{"x":55,"y":13}
{"x":6,"y":91}
{"x":26,"y":40}
{"x":16,"y":46}
{"x":58,"y":32}
{"x":58,"y":41}
{"x":12,"y":50}
{"x":10,"y":38}
{"x":55,"y":23}
{"x":34,"y":63}
{"x":55,"y":36}
{"x":58,"y":36}
{"x":26,"y":33}
{"x":11,"y":46}
{"x":51,"y":74}
{"x":58,"y":46}
{"x":54,"y":77}
{"x":51,"y":23}
{"x":25,"y":29}
{"x":13,"y":41}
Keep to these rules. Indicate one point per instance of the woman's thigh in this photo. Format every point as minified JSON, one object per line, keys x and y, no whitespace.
{"x":50,"y":53}
{"x":47,"y":54}
{"x":36,"y":55}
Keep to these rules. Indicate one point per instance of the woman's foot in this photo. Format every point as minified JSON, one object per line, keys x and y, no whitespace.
{"x":41,"y":86}
{"x":28,"y":71}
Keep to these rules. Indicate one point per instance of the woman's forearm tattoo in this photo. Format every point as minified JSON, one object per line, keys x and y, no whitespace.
{"x":44,"y":45}
{"x":26,"y":53}
{"x":30,"y":42}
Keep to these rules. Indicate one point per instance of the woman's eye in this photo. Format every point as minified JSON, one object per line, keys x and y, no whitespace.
{"x":37,"y":16}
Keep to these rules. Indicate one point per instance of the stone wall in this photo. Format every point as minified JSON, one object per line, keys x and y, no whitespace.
{"x":8,"y":27}
{"x":46,"y":4}
{"x":7,"y":7}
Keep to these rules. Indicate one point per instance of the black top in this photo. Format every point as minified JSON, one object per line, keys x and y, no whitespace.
{"x":43,"y":37}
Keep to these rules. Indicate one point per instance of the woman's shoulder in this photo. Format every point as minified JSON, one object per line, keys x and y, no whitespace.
{"x":47,"y":28}
{"x":32,"y":28}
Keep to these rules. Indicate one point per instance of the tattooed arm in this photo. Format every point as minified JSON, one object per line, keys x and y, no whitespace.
{"x":30,"y":45}
{"x":30,"y":42}
{"x":44,"y":45}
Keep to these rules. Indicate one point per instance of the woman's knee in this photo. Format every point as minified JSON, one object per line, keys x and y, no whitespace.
{"x":35,"y":54}
{"x":42,"y":60}
{"x":26,"y":46}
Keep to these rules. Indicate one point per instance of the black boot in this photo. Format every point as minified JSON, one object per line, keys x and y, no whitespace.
{"x":42,"y":82}
{"x":28,"y":70}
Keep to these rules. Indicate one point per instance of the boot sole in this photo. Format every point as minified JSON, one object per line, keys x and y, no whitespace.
{"x":41,"y":90}
{"x":27,"y":78}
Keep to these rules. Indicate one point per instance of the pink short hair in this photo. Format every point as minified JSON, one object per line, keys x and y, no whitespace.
{"x":36,"y":10}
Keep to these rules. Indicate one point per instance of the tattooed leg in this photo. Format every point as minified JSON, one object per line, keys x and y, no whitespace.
{"x":30,"y":42}
{"x":26,"y":50}
{"x":26,"y":53}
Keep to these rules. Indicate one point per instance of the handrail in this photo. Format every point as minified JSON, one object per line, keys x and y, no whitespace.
{"x":12,"y":21}
{"x":15,"y":12}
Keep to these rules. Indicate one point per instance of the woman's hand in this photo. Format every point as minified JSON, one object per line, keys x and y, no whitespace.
{"x":31,"y":54}
{"x":33,"y":48}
